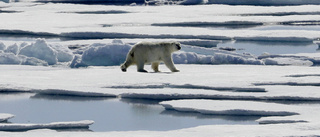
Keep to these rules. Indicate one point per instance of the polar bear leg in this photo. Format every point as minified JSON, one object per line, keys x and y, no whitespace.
{"x":169,"y":63}
{"x":155,"y":66}
{"x":140,"y":67}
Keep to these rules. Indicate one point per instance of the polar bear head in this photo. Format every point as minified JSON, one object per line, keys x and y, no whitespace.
{"x":175,"y":46}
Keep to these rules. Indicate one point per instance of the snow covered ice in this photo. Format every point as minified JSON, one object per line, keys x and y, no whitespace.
{"x":74,"y":50}
{"x":96,"y":80}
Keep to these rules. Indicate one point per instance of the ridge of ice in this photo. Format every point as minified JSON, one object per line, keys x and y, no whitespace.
{"x":109,"y":54}
{"x":38,"y":53}
{"x":41,"y":50}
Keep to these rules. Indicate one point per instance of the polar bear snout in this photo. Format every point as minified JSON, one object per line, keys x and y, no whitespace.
{"x":123,"y":68}
{"x":178,"y":46}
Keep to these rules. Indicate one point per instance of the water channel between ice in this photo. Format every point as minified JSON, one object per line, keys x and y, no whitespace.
{"x":109,"y":114}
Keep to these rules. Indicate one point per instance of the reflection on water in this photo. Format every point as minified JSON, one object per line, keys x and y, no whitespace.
{"x":109,"y":114}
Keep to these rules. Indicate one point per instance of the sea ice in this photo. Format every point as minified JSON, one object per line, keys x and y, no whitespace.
{"x":108,"y":80}
{"x":9,"y":58}
{"x":272,"y":113}
{"x":2,"y":46}
{"x":4,"y":116}
{"x":13,"y":49}
{"x":41,"y":50}
{"x":64,"y":54}
{"x":55,"y":125}
{"x":214,"y":107}
{"x":105,"y":54}
{"x":193,"y":82}
{"x":311,"y":59}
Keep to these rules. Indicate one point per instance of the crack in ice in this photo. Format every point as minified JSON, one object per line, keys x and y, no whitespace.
{"x":189,"y":86}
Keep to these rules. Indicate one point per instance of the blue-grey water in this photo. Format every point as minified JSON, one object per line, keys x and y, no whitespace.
{"x":109,"y":114}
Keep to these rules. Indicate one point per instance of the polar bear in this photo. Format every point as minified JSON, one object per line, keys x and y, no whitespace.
{"x":151,"y":52}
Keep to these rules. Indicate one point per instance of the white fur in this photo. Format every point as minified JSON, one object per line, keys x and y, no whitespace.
{"x":151,"y":52}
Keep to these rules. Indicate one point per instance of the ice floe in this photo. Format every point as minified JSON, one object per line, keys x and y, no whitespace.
{"x":233,"y":82}
{"x":298,"y":60}
{"x":54,"y":125}
{"x":214,"y":107}
{"x":5,"y":117}
{"x":272,"y":113}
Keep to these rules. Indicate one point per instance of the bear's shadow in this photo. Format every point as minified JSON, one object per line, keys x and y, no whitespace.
{"x":161,"y":72}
